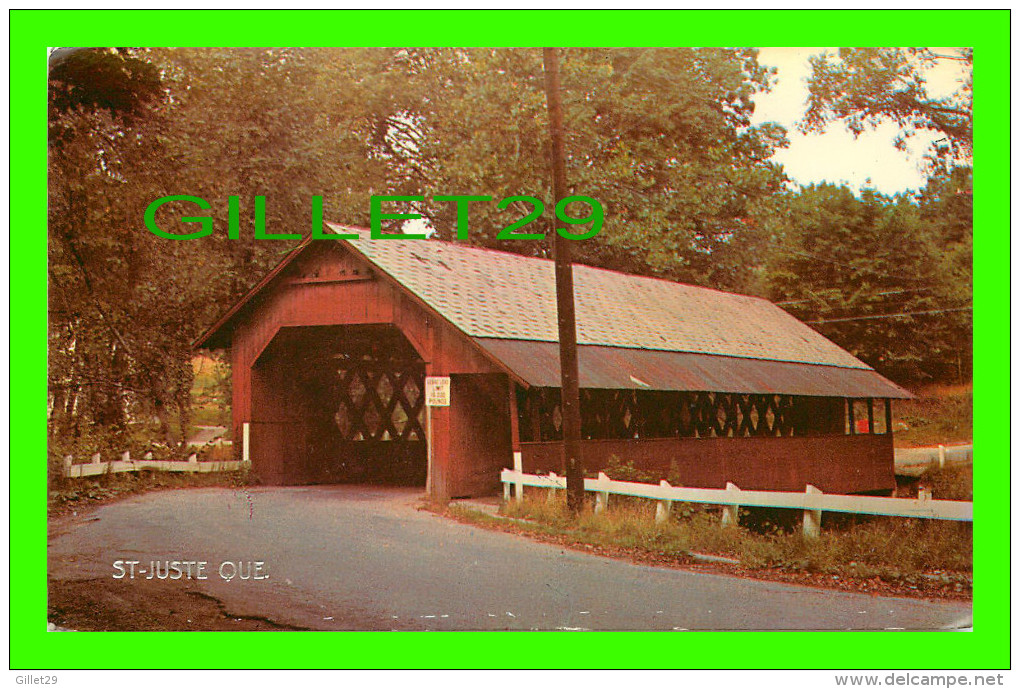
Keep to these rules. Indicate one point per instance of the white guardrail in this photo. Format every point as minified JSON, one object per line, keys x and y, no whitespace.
{"x":97,"y":467}
{"x":914,"y":461}
{"x":813,"y":501}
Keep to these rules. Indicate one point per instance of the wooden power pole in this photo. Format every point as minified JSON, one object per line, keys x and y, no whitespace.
{"x":569,"y":394}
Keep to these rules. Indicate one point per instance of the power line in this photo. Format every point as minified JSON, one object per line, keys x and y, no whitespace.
{"x":889,"y":315}
{"x":794,"y":252}
{"x":877,"y":294}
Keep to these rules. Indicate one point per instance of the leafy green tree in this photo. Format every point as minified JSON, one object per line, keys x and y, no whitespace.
{"x":866,"y":273}
{"x":114,"y":81}
{"x":863,"y":87}
{"x":947,"y":214}
{"x":947,"y":208}
{"x":126,"y":304}
{"x":661,"y":137}
{"x":90,"y":353}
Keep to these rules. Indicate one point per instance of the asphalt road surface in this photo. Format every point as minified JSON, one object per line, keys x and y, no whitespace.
{"x":360,"y":558}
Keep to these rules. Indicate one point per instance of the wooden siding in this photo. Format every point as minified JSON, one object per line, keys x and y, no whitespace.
{"x":834,"y":463}
{"x":480,"y":432}
{"x":324,"y":288}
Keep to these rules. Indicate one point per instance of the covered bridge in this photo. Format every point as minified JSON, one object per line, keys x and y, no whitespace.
{"x":330,"y":350}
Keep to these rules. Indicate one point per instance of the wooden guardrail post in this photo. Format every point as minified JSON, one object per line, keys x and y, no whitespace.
{"x":68,"y":461}
{"x":550,"y":497}
{"x":663,"y":507}
{"x":192,"y":458}
{"x":812,"y":518}
{"x":245,"y":442}
{"x":519,"y":470}
{"x":731,"y":513}
{"x":97,"y":458}
{"x":506,"y":491}
{"x":602,"y":496}
{"x":942,"y":456}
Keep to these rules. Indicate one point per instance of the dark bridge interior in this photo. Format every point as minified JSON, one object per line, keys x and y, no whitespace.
{"x":339,"y":404}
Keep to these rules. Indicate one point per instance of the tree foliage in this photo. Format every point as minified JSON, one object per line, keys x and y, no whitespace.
{"x":113,"y":81}
{"x":124,"y":304}
{"x":863,"y":87}
{"x":884,"y":277}
{"x":660,"y":136}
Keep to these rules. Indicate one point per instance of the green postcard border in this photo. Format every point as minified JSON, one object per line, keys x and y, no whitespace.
{"x":32,"y":31}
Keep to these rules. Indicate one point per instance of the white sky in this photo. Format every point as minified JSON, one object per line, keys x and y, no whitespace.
{"x":835,"y":156}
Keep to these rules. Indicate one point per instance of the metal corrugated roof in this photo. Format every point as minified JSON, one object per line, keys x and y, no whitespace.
{"x":538,"y":363}
{"x":493,"y":294}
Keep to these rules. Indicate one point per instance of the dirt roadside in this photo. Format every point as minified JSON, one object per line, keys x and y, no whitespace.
{"x":105,"y":605}
{"x":102,"y":604}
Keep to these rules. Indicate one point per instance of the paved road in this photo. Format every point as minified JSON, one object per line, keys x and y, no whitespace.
{"x":914,"y":461}
{"x":347,"y":557}
{"x":205,"y":435}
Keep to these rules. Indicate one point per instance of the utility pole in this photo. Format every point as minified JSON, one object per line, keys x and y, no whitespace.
{"x":569,"y":394}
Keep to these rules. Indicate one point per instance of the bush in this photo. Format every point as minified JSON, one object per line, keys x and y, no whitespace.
{"x":954,"y":482}
{"x":939,"y":415}
{"x":620,"y":470}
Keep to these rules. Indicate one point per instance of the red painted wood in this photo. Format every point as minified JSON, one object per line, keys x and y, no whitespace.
{"x":324,"y":299}
{"x":835,"y":464}
{"x":515,"y":431}
{"x":480,"y":442}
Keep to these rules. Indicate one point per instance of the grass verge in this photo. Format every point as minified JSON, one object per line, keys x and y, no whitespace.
{"x":941,"y":414}
{"x":895,"y":556}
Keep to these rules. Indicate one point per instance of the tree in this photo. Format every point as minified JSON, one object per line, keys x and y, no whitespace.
{"x":114,"y":81}
{"x":90,"y":353}
{"x":661,"y":137}
{"x":126,"y":304}
{"x":866,"y":273}
{"x":947,"y":214}
{"x":866,"y":86}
